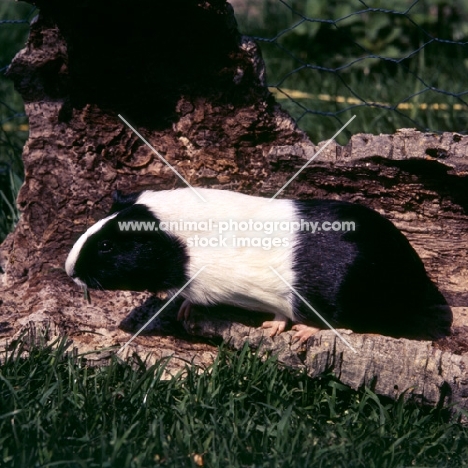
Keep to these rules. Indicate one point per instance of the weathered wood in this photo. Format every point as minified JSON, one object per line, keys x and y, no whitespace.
{"x":387,"y":365}
{"x":221,"y":128}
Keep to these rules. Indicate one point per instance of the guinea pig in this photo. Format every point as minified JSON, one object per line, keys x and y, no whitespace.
{"x":346,"y":261}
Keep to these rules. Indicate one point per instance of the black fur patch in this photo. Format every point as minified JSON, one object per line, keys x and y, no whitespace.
{"x":120,"y":201}
{"x":369,"y":279}
{"x":133,"y":259}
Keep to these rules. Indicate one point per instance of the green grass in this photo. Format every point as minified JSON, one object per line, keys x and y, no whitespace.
{"x":10,"y":186}
{"x":56,"y":410}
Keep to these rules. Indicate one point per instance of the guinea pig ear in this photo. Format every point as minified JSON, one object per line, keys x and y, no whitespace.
{"x":117,"y":195}
{"x":122,"y":201}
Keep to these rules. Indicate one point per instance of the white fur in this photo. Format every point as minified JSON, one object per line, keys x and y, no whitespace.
{"x":233,"y":275}
{"x":75,"y":251}
{"x":237,"y":276}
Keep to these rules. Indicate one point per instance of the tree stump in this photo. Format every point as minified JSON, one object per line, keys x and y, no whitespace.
{"x":194,"y":88}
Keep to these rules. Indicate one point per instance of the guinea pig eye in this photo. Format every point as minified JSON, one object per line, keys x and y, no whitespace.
{"x":105,"y":246}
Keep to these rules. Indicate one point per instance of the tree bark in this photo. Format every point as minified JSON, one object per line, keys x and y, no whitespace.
{"x":182,"y":74}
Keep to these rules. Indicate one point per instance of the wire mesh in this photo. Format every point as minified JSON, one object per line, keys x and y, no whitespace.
{"x":404,"y":66}
{"x":14,"y":27}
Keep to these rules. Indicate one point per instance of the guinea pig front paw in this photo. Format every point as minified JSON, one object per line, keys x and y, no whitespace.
{"x":185,"y":310}
{"x":304,"y":332}
{"x":275,"y":326}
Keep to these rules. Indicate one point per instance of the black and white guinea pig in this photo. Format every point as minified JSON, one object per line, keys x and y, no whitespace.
{"x":351,"y":265}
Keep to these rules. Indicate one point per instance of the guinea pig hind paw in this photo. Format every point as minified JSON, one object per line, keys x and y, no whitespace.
{"x":276,"y":326}
{"x":185,"y":310}
{"x":304,"y":332}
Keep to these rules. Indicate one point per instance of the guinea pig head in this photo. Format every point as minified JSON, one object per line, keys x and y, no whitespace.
{"x":128,"y":251}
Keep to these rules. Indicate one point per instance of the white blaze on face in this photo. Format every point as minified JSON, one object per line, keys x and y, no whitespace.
{"x":75,"y":251}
